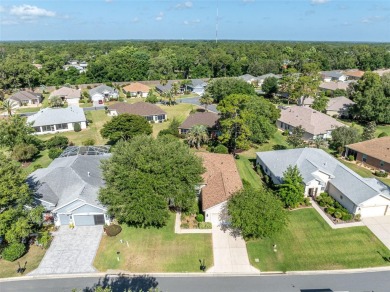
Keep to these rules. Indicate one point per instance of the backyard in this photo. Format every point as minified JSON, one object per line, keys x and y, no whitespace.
{"x":154,"y":250}
{"x":364,"y":172}
{"x":308,"y":243}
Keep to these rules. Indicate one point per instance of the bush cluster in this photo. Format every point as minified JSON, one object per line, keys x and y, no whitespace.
{"x":113,"y":230}
{"x":204,"y":225}
{"x":351,"y":158}
{"x":221,"y":149}
{"x":333,"y":208}
{"x":380,"y":173}
{"x":13,"y":251}
{"x":199,"y":218}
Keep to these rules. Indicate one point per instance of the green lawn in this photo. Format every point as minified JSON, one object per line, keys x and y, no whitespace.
{"x":23,"y":110}
{"x":33,"y":258}
{"x":379,"y":128}
{"x":154,"y":250}
{"x":99,"y":118}
{"x":308,"y":243}
{"x":246,"y":171}
{"x":364,"y":172}
{"x":42,"y":159}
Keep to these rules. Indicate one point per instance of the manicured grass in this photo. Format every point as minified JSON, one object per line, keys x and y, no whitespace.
{"x":308,"y":243}
{"x":33,"y":258}
{"x":364,"y":172}
{"x":154,"y":250}
{"x":247,"y":173}
{"x":27,"y":110}
{"x":278,"y":141}
{"x":42,"y":159}
{"x":99,"y":118}
{"x":379,"y":128}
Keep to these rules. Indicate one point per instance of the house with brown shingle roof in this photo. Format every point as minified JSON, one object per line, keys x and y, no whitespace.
{"x":315,"y":123}
{"x":339,"y":106}
{"x":375,"y":152}
{"x":136,"y":89}
{"x":70,"y":95}
{"x":220,"y":181}
{"x":27,"y":98}
{"x":151,"y":112}
{"x":354,"y":74}
{"x":207,"y":119}
{"x":332,"y":86}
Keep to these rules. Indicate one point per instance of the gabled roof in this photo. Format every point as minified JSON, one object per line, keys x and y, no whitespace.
{"x":268,"y":75}
{"x":333,"y":74}
{"x":165,"y":88}
{"x":102,"y":89}
{"x":311,"y":160}
{"x":335,"y":85}
{"x":69,"y":178}
{"x":53,"y":116}
{"x":312,"y":121}
{"x":139,"y":108}
{"x":66,"y":92}
{"x":207,"y":119}
{"x":378,"y":148}
{"x":354,"y":73}
{"x":136,"y":87}
{"x":198,"y":83}
{"x":26,"y":95}
{"x":247,"y":77}
{"x":221,"y":178}
{"x":339,"y":103}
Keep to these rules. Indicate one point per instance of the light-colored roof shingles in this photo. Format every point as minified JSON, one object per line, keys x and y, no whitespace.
{"x":221,"y":178}
{"x":207,"y":119}
{"x":66,"y":92}
{"x":312,"y":121}
{"x":53,"y":116}
{"x":378,"y":148}
{"x":140,"y":108}
{"x":339,"y":103}
{"x":136,"y":87}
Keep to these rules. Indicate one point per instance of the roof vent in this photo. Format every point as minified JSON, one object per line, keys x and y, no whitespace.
{"x":89,"y":174}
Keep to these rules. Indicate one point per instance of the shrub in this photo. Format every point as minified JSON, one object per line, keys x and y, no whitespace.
{"x":13,"y":251}
{"x":357,"y":217}
{"x":330,"y":210}
{"x":24,"y":152}
{"x":306,"y":201}
{"x":199,"y":218}
{"x":45,"y":239}
{"x":337,"y":214}
{"x":89,"y":87}
{"x":54,"y":153}
{"x":351,"y":158}
{"x":113,"y":230}
{"x":88,"y":142}
{"x":77,"y":127}
{"x":57,"y":141}
{"x":222,"y":149}
{"x":380,"y":173}
{"x":383,"y":134}
{"x":346,"y":217}
{"x":205,"y":225}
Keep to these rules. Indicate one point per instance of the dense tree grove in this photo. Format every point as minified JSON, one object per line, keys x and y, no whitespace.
{"x":152,"y":60}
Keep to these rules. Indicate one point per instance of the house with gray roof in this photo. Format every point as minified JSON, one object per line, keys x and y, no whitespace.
{"x":207,"y":119}
{"x":68,"y":189}
{"x":197,"y":86}
{"x":339,"y":106}
{"x":321,"y":172}
{"x":55,"y":120}
{"x":315,"y":123}
{"x":248,"y":78}
{"x":102,"y":93}
{"x":328,"y":76}
{"x":26,"y":98}
{"x":161,"y":89}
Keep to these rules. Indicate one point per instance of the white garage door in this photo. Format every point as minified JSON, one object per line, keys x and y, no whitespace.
{"x":373,"y":211}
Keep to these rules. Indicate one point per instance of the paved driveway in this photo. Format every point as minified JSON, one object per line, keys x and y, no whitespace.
{"x":380,"y":226}
{"x":71,"y":251}
{"x":195,"y":101}
{"x":230,"y":254}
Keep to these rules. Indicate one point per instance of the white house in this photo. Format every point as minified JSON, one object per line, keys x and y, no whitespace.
{"x":321,"y":172}
{"x":197,"y":86}
{"x":54,"y":120}
{"x":70,"y":95}
{"x":136,"y":89}
{"x":328,"y":76}
{"x":151,"y":112}
{"x":102,"y":93}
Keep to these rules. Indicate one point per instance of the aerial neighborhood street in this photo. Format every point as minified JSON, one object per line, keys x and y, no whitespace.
{"x":192,"y":165}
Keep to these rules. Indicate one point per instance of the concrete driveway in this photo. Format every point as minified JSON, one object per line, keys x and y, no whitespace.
{"x":195,"y":101}
{"x":230,"y":254}
{"x":380,"y":226}
{"x":71,"y":251}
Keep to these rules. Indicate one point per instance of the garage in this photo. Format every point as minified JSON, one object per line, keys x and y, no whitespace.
{"x":373,"y":211}
{"x":88,"y":220}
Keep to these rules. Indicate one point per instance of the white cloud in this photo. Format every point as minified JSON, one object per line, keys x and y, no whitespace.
{"x":372,"y":19}
{"x":191,"y":22}
{"x":29,"y":12}
{"x":2,"y":9}
{"x":160,"y":16}
{"x":135,"y":19}
{"x":319,"y":1}
{"x":184,"y":5}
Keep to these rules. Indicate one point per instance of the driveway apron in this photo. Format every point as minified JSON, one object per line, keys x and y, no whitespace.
{"x":71,"y":251}
{"x":230,"y":254}
{"x":380,"y":226}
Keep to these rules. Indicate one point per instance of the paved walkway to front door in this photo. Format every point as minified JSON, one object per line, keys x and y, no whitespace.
{"x":380,"y":226}
{"x":71,"y":251}
{"x":230,"y":254}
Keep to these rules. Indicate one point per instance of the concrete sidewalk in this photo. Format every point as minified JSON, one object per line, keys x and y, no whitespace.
{"x":230,"y":254}
{"x":380,"y":226}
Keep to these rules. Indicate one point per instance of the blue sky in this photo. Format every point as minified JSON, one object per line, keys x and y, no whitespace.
{"x":305,"y":20}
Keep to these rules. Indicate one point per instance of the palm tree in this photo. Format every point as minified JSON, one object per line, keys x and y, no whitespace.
{"x":206,"y":100}
{"x":197,"y":135}
{"x":9,"y":105}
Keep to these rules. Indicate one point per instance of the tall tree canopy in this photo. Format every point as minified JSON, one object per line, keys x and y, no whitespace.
{"x":145,"y":175}
{"x":14,"y":130}
{"x":257,"y":213}
{"x":343,"y":136}
{"x":125,"y":126}
{"x":223,"y":87}
{"x":292,"y":190}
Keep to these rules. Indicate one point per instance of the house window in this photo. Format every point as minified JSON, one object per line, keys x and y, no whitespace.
{"x":161,"y":117}
{"x":46,"y":128}
{"x":364,"y":158}
{"x":149,"y":118}
{"x":37,"y":129}
{"x":62,"y":126}
{"x":341,"y":197}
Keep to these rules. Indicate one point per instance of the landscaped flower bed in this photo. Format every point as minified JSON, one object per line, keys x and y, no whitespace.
{"x":334,"y":210}
{"x":193,"y":221}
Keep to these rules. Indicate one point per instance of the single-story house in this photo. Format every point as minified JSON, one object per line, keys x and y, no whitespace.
{"x":260,"y":79}
{"x":150,"y":111}
{"x":136,"y":89}
{"x":53,"y":120}
{"x":315,"y":123}
{"x":328,"y":76}
{"x":26,"y":98}
{"x":308,"y":101}
{"x":332,"y":86}
{"x":161,"y":89}
{"x":375,"y":152}
{"x":197,"y":86}
{"x":339,"y":106}
{"x":102,"y":93}
{"x":220,"y":181}
{"x":353,"y":74}
{"x":321,"y":172}
{"x":68,"y":188}
{"x":208,"y":119}
{"x":70,"y":95}
{"x":380,"y":72}
{"x":248,"y":78}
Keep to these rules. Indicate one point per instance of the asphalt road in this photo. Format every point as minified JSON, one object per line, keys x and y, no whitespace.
{"x":358,"y":282}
